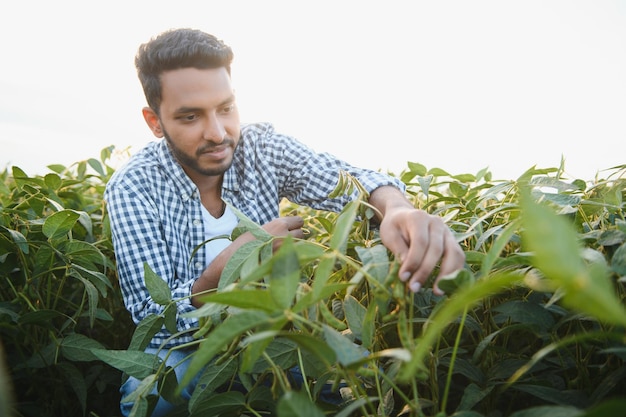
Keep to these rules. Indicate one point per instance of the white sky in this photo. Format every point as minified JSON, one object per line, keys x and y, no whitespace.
{"x":459,"y":85}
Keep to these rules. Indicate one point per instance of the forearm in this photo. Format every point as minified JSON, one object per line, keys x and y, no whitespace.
{"x":210,"y":277}
{"x":386,"y":198}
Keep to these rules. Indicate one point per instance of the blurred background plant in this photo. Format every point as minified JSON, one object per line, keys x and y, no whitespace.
{"x":58,"y":291}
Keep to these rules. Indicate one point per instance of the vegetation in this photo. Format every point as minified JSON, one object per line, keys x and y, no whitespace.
{"x":533,"y":326}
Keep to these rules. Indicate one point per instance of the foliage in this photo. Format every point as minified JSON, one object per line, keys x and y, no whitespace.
{"x":58,"y":291}
{"x":533,"y":326}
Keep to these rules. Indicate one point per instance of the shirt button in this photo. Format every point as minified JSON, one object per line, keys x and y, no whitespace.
{"x":198,"y":265}
{"x":197,"y":222}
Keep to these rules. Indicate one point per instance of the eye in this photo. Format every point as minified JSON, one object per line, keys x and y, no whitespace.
{"x":190,"y":117}
{"x":228,"y":109}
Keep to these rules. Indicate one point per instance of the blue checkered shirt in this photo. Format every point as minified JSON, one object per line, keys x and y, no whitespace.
{"x":156,"y":213}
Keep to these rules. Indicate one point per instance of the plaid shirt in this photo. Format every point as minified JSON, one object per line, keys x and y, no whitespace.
{"x":156,"y":213}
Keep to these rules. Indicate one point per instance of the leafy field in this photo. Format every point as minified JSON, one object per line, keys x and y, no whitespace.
{"x":534,"y":326}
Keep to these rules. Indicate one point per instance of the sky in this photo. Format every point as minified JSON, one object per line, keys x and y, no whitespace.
{"x":459,"y":85}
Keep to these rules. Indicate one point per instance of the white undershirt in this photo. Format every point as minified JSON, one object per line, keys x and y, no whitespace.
{"x":217,"y":227}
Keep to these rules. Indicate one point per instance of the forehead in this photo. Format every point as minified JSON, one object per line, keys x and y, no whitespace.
{"x":195,"y":87}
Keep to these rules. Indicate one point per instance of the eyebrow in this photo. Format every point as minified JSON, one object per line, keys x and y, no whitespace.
{"x":183,"y":110}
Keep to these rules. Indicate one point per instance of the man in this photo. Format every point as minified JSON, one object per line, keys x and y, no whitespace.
{"x":171,"y":196}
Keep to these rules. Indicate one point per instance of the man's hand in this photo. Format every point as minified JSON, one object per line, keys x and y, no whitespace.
{"x":209,"y":279}
{"x":283,"y":226}
{"x":418,"y":239}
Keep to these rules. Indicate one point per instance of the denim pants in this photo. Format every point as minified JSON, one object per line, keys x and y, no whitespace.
{"x":174,"y":360}
{"x":180,"y":359}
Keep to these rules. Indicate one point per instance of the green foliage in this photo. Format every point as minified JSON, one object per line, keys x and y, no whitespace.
{"x":59,"y":298}
{"x":533,"y":326}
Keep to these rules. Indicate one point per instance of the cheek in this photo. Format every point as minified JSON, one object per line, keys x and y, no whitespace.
{"x":234,"y":131}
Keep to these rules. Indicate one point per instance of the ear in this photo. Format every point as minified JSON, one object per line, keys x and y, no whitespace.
{"x":153,"y":122}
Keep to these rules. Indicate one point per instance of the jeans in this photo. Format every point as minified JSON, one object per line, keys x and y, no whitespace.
{"x":163,"y":407}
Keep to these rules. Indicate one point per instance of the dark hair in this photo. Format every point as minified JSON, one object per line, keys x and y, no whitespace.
{"x":175,"y":49}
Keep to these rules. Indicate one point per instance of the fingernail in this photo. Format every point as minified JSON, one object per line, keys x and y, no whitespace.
{"x":405,"y":276}
{"x":415,"y":286}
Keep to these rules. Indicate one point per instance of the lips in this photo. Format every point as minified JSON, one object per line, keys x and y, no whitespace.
{"x":217,"y":152}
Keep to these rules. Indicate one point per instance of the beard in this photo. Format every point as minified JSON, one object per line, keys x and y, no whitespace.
{"x":188,"y":161}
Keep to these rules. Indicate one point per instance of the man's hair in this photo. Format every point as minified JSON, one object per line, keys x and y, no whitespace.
{"x":176,"y":49}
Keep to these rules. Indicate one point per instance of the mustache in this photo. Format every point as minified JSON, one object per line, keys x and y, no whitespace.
{"x":210,"y":146}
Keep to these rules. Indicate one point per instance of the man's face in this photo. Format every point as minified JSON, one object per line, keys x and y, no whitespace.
{"x":199,"y":119}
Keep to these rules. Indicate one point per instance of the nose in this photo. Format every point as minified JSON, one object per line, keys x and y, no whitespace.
{"x":214,"y":130}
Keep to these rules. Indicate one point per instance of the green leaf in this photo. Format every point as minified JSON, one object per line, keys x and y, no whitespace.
{"x":255,"y":346}
{"x":167,"y":386}
{"x":294,"y":403}
{"x":323,"y":271}
{"x":355,"y":314}
{"x":248,"y":299}
{"x":558,"y":255}
{"x":452,"y":308}
{"x":97,"y":166}
{"x":232,"y":328}
{"x":343,"y":226}
{"x":79,"y":348}
{"x":376,"y":260}
{"x":245,"y":224}
{"x":610,"y":408}
{"x":346,"y":351}
{"x":417,"y":168}
{"x":230,"y":403}
{"x":497,"y":247}
{"x":424,"y":183}
{"x":170,"y":315}
{"x":98,"y":279}
{"x":451,"y":283}
{"x":231,"y":271}
{"x":525,"y":312}
{"x":472,"y":395}
{"x":285,"y":275}
{"x":212,"y":378}
{"x":260,"y":398}
{"x":53,"y":181}
{"x":438,"y":172}
{"x":369,"y":325}
{"x":60,"y":223}
{"x":43,"y":260}
{"x":85,"y":254}
{"x":92,"y":296}
{"x":18,"y":238}
{"x":547,"y":410}
{"x":76,"y":381}
{"x":552,"y":395}
{"x":314,"y":345}
{"x":40,"y":317}
{"x":137,"y":364}
{"x":618,"y":260}
{"x":142,"y":397}
{"x":280,"y":351}
{"x":43,"y":357}
{"x":145,"y":331}
{"x":157,"y":287}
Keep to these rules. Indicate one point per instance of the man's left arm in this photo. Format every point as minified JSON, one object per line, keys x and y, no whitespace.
{"x":418,"y":239}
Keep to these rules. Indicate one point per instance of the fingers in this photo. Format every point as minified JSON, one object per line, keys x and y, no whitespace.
{"x":283,"y":226}
{"x":294,"y":226}
{"x":429,"y":242}
{"x":452,"y":261}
